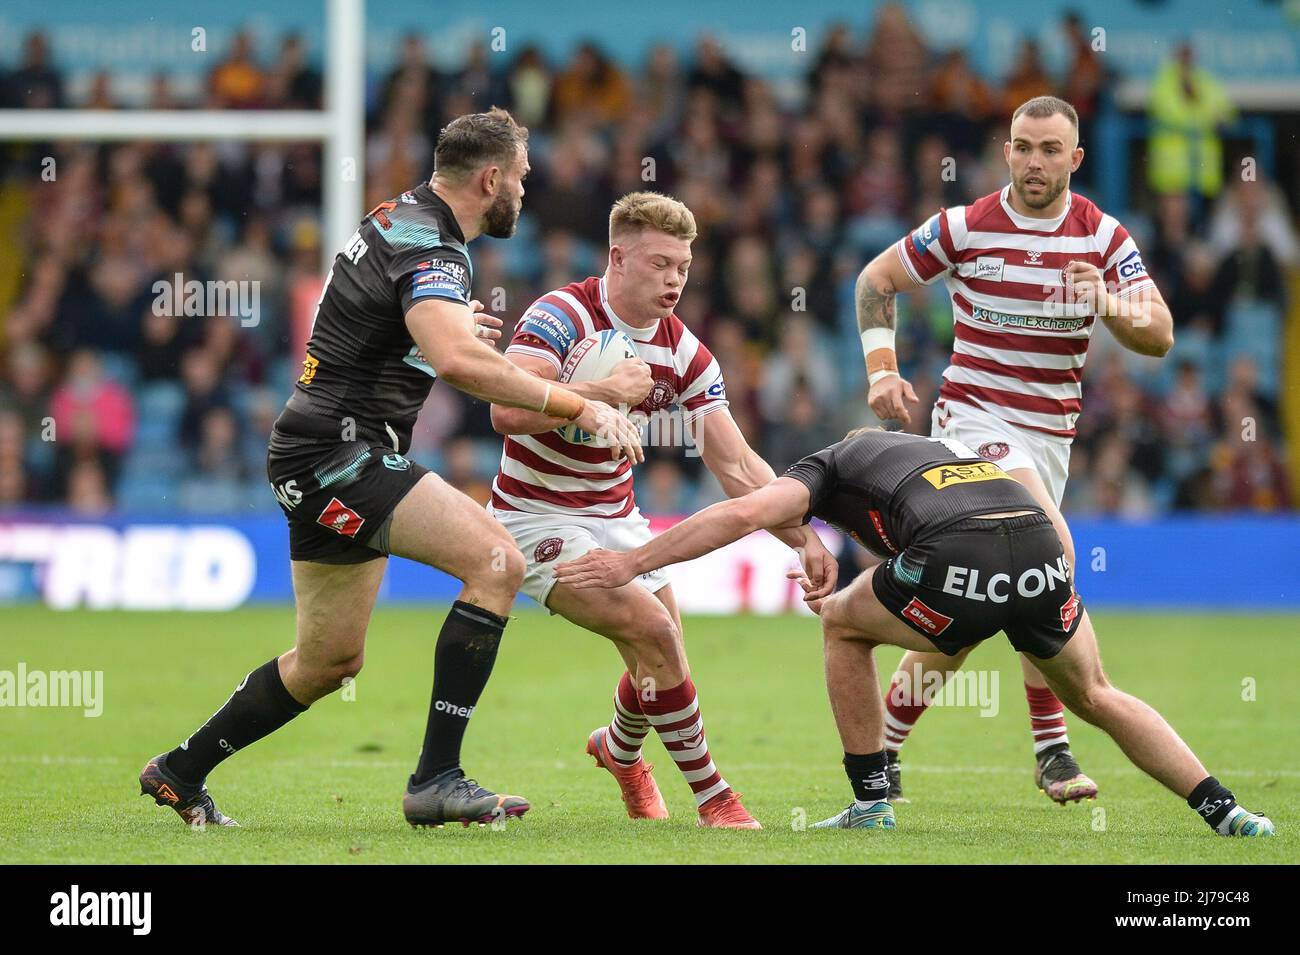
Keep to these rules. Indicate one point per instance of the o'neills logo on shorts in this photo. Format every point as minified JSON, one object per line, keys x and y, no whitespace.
{"x":949,"y":474}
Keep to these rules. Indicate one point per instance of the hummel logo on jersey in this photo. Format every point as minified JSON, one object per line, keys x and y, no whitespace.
{"x":1034,"y":257}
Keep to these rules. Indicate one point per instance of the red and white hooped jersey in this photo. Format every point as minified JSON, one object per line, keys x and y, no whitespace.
{"x":1019,"y":345}
{"x":545,"y":474}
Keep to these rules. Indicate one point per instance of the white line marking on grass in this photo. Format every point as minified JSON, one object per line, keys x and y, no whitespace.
{"x":48,"y":760}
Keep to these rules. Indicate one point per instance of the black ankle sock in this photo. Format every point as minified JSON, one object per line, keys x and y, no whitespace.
{"x":462,"y":663}
{"x":867,"y":776}
{"x":259,"y":706}
{"x":1212,"y":800}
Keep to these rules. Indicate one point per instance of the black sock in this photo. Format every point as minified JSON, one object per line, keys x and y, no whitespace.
{"x":1213,"y":800}
{"x":259,"y":706}
{"x":462,"y":663}
{"x":867,"y":776}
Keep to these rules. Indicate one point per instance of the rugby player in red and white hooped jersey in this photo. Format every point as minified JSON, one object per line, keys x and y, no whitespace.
{"x":560,"y":500}
{"x":1030,"y":270}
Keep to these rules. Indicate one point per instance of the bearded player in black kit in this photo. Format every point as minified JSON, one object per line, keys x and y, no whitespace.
{"x":395,"y":314}
{"x":967,"y":552}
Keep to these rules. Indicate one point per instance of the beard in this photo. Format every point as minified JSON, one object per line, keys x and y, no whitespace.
{"x":501,"y":218}
{"x":1051,"y":191}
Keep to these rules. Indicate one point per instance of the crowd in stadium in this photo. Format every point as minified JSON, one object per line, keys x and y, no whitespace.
{"x":151,"y":412}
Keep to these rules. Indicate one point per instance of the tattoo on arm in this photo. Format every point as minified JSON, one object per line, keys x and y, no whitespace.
{"x":875,"y":308}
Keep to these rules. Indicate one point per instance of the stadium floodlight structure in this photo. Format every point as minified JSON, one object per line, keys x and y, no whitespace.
{"x":340,"y":126}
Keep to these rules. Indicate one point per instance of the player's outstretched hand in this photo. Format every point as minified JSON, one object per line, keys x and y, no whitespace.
{"x":596,"y":568}
{"x":889,"y":397}
{"x":612,"y":430}
{"x":486,"y":327}
{"x":631,"y":381}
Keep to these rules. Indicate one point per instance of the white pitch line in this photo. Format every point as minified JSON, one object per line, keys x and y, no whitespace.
{"x":560,"y":763}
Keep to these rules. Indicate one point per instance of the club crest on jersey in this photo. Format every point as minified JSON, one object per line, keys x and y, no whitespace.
{"x":309,"y":366}
{"x":994,"y":450}
{"x":548,"y":550}
{"x":661,"y":395}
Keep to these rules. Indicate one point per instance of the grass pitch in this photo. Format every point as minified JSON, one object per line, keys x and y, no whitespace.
{"x":327,"y":788}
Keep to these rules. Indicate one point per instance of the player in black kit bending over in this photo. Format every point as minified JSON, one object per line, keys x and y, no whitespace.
{"x":967,"y":553}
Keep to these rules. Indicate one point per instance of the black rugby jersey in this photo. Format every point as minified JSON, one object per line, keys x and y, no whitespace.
{"x":887,"y":489}
{"x":361,"y":362}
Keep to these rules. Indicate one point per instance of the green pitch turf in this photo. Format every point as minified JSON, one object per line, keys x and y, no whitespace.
{"x":327,"y":788}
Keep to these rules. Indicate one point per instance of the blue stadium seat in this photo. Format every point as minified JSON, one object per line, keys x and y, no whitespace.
{"x":143,"y":462}
{"x":158,"y":413}
{"x":146,"y":494}
{"x":205,"y":495}
{"x":119,"y":367}
{"x":1254,"y":329}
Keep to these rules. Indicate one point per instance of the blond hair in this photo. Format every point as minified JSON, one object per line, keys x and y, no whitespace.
{"x":651,"y":210}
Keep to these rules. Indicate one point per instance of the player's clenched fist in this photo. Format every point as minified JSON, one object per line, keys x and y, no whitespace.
{"x":612,"y":430}
{"x":1084,"y":285}
{"x":889,"y":398}
{"x":630,"y":382}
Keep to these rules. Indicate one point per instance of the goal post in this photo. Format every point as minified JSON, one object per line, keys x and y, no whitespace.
{"x":339,"y":127}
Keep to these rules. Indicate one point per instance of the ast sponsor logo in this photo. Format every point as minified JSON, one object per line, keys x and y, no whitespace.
{"x":947,"y":475}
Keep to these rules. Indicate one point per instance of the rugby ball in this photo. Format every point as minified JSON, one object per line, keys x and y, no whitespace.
{"x":592,"y":359}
